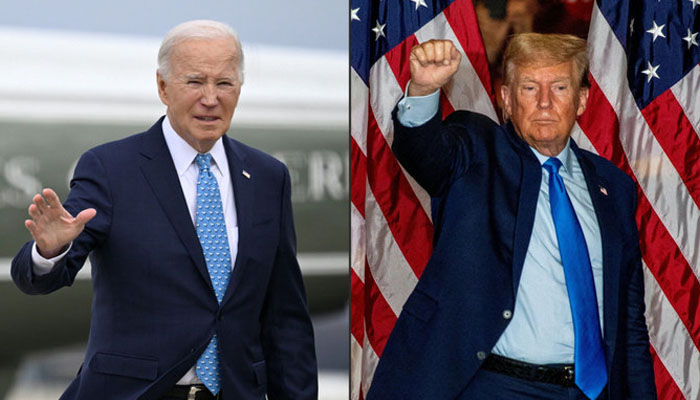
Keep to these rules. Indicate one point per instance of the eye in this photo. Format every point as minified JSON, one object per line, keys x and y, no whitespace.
{"x":193,"y":82}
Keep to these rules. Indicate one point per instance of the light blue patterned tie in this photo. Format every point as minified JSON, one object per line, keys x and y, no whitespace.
{"x":211,"y":229}
{"x":589,"y":358}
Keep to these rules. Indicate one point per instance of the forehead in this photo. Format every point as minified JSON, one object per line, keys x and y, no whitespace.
{"x":217,"y":55}
{"x":545,"y":72}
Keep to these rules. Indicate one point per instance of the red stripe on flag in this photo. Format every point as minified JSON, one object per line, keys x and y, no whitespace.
{"x":357,"y":299}
{"x":399,"y":60}
{"x":659,"y":249}
{"x":462,"y":19}
{"x":677,"y":137}
{"x":379,"y":317}
{"x":666,"y":387}
{"x":445,"y":105}
{"x":358,"y":177}
{"x":408,"y":222}
{"x":602,"y":128}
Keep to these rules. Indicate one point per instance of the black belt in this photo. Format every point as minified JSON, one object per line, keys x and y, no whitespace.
{"x":190,"y":392}
{"x":562,"y":375}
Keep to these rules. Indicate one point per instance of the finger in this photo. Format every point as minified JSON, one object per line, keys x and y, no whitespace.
{"x":439,"y":49}
{"x":39,"y":203}
{"x":51,"y":197}
{"x":455,"y":54}
{"x":418,"y":54}
{"x":33,"y":211}
{"x":32,"y":228}
{"x":429,"y":49}
{"x":85,"y":216}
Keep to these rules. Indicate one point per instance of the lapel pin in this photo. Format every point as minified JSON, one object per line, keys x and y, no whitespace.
{"x":247,"y":175}
{"x":604,"y":191}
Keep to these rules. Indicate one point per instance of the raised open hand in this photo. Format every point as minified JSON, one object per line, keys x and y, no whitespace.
{"x":52,"y":226}
{"x":433,"y":63}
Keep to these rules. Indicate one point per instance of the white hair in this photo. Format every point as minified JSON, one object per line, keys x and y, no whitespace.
{"x":196,"y":29}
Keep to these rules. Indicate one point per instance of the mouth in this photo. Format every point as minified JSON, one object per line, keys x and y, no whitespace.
{"x":204,"y":118}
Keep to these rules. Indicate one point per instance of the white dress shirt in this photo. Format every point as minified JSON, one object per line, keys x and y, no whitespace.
{"x":183,"y":156}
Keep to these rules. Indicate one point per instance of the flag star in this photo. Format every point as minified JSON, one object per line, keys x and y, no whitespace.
{"x":656,"y":31}
{"x":422,"y":3}
{"x":632,"y":26}
{"x":691,"y":39}
{"x":379,"y":31}
{"x":353,"y":14}
{"x":650,"y":72}
{"x":695,"y":2}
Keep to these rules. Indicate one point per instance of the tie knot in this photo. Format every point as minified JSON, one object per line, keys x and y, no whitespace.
{"x":203,"y":161}
{"x":552,"y":165}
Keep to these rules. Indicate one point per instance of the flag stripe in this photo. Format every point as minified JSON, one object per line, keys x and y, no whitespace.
{"x":358,"y":176}
{"x":666,"y":387}
{"x":686,"y":92}
{"x":659,"y":249}
{"x":681,"y":147}
{"x":387,"y":263}
{"x":379,"y":317}
{"x":460,"y":17}
{"x":670,"y":340}
{"x":466,"y":90}
{"x":357,"y":299}
{"x":397,"y":201}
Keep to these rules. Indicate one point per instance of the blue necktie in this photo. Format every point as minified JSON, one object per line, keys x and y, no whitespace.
{"x":211,"y":229}
{"x":589,"y":358}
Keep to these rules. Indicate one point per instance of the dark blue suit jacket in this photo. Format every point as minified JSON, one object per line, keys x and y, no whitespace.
{"x":154,"y":310}
{"x":485,"y":180}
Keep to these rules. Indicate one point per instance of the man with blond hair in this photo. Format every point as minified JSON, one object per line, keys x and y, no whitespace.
{"x":197,"y":293}
{"x":534,"y":289}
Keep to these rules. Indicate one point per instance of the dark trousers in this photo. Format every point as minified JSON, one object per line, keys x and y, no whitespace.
{"x":488,"y":385}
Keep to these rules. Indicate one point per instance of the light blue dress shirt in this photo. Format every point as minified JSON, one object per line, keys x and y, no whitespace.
{"x":541,"y":330}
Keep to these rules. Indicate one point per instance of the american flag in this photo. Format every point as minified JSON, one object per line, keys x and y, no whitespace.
{"x":643,"y":114}
{"x":390,"y":214}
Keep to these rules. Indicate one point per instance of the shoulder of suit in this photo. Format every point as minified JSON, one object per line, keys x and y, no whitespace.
{"x":606,"y":168}
{"x":254,"y":155}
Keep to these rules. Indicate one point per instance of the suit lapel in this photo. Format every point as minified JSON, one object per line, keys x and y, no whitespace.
{"x":527,"y":206}
{"x":610,"y":241}
{"x":243,"y":180}
{"x":160,"y":172}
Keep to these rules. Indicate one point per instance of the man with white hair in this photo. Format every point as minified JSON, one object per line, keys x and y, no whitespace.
{"x":197,"y":290}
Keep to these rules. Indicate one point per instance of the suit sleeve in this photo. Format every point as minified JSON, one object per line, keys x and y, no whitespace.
{"x":639,"y":373}
{"x":288,"y":339}
{"x":438,"y":152}
{"x":89,"y":188}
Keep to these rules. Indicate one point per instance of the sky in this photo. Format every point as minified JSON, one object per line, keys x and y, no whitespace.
{"x":318,"y":24}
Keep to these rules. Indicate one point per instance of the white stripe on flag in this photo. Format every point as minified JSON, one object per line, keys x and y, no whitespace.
{"x":686,"y":92}
{"x":671,"y":340}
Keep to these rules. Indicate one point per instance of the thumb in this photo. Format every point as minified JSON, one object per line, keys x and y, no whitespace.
{"x":85,"y":216}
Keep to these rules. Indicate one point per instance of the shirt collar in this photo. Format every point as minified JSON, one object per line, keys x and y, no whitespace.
{"x":183,"y":154}
{"x":564,"y":156}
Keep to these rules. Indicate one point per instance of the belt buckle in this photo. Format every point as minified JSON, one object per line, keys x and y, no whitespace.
{"x":192,"y":394}
{"x":568,"y":375}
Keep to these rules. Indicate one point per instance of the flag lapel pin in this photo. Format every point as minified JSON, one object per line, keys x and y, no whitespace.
{"x":604,"y":191}
{"x":247,"y":175}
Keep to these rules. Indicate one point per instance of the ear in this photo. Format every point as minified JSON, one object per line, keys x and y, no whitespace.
{"x":582,"y":101}
{"x":507,"y":105}
{"x":162,"y":88}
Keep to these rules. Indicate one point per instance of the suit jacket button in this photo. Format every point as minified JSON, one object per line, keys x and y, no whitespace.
{"x":219,"y":315}
{"x":481,"y":355}
{"x":507,"y":314}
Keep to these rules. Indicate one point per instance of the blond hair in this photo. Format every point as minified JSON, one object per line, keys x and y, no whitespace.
{"x":538,"y":49}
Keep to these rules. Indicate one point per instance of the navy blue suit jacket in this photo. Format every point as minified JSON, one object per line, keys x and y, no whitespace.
{"x":485,"y":181}
{"x":154,"y":309}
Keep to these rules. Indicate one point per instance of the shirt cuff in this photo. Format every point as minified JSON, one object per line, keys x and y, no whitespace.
{"x":43,"y":266}
{"x":417,"y":110}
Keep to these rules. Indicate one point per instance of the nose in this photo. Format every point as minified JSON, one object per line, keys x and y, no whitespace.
{"x":209,"y":96}
{"x":545,"y":98}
